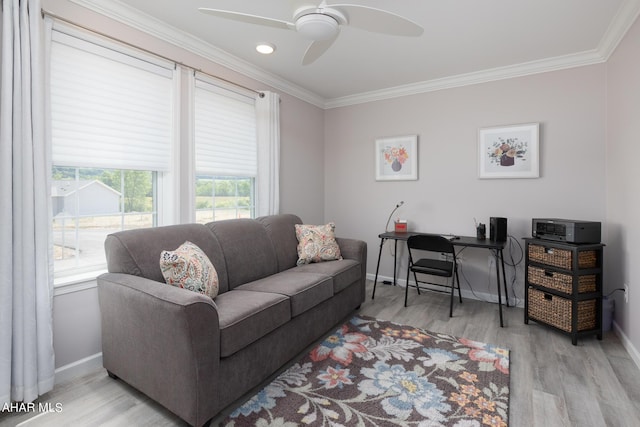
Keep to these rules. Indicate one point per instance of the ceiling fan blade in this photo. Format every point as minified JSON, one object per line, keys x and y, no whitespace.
{"x":378,"y":20}
{"x":250,"y":19}
{"x":316,"y":49}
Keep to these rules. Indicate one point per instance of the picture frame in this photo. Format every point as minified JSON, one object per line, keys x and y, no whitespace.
{"x":509,"y":151}
{"x":397,"y":158}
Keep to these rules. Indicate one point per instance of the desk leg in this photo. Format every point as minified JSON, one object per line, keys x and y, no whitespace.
{"x":395,"y":259}
{"x":375,"y":280}
{"x":504,"y":277}
{"x":499,"y":291}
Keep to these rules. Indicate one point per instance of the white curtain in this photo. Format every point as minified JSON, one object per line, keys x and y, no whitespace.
{"x":26,"y":284}
{"x":268,"y":137}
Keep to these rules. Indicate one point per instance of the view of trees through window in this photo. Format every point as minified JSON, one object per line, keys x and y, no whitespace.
{"x":220,"y":198}
{"x":89,"y":203}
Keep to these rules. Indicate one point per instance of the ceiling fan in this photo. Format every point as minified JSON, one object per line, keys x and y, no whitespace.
{"x":322,"y":23}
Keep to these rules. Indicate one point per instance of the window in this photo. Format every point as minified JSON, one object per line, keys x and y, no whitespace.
{"x":112,"y":126}
{"x":117,"y":159}
{"x":224,"y":197}
{"x":89,"y":203}
{"x":225,"y":153}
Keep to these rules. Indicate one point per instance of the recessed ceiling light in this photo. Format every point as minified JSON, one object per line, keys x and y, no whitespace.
{"x":265,"y":48}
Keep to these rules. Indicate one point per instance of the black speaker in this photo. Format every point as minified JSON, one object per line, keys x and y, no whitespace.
{"x":498,"y":229}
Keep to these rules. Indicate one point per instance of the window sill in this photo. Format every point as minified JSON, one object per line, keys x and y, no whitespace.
{"x":76,"y":283}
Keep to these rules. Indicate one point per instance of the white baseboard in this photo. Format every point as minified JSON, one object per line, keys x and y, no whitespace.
{"x":627,"y":344}
{"x":466,"y":293}
{"x":78,"y":368}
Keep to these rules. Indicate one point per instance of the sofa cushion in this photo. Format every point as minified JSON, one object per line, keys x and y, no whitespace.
{"x":247,"y":316}
{"x":248,"y":252}
{"x":189,"y":268}
{"x":137,"y":251}
{"x":282,"y":232}
{"x":305,"y":290}
{"x":317,"y":243}
{"x":344,"y":272}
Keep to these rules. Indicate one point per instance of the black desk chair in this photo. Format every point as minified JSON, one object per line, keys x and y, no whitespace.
{"x":436,"y":245}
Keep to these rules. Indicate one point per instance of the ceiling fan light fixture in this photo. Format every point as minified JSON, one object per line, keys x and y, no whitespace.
{"x":321,"y":24}
{"x":317,"y":26}
{"x":265,"y":48}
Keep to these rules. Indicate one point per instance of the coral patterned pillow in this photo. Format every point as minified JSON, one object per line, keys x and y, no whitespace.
{"x":317,"y":243}
{"x":188,"y":267}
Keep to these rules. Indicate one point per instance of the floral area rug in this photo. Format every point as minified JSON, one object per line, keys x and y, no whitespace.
{"x":377,"y":373}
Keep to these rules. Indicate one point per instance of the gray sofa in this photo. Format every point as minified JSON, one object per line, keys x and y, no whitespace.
{"x":195,"y":355}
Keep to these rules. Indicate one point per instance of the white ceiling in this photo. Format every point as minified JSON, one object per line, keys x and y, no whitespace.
{"x":465,"y":41}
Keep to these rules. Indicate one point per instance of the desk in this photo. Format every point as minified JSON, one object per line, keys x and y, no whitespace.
{"x":462,"y":241}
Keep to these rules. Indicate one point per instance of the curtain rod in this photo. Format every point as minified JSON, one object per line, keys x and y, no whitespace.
{"x":75,"y":24}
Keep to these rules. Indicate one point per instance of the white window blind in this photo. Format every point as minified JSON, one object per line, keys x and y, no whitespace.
{"x":108,"y":109}
{"x":225,"y":132}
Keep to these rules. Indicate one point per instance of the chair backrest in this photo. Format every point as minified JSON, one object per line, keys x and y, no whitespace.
{"x":431,"y":242}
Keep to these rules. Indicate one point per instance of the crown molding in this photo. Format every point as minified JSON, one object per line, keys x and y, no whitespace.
{"x":123,"y":13}
{"x":623,"y":20}
{"x":117,"y":10}
{"x":484,"y":76}
{"x":625,"y":17}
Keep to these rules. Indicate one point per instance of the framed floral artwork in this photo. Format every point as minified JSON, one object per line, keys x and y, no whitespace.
{"x":509,"y":151}
{"x":397,"y":158}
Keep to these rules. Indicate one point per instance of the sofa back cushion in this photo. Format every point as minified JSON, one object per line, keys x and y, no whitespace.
{"x":247,"y":248}
{"x":282,"y":232}
{"x":137,"y":252}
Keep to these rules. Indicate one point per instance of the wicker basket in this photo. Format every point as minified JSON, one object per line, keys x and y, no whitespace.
{"x":560,"y":281}
{"x":587,"y":259}
{"x":562,"y":258}
{"x":556,"y":311}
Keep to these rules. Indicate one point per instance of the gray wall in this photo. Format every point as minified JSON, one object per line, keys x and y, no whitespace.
{"x":623,"y":178}
{"x":570,"y":107}
{"x":302,"y":165}
{"x":76,"y":326}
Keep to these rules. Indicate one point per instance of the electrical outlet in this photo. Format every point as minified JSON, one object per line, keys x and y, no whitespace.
{"x":626,"y":292}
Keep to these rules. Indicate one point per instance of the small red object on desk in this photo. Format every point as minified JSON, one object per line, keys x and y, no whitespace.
{"x":401,"y":226}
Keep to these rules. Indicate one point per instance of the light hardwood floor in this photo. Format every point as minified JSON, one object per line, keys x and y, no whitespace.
{"x":553,"y":383}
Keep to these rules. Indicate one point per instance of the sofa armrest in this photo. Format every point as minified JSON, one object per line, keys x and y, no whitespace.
{"x":356,"y":250}
{"x":352,"y":249}
{"x":162,"y":340}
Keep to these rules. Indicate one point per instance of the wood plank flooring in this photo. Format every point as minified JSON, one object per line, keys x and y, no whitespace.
{"x":553,"y":383}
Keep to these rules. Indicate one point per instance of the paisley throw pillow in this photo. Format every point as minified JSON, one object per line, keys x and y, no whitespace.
{"x":317,"y":243}
{"x":188,"y":267}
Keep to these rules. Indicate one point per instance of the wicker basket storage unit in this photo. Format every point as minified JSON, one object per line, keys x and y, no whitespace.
{"x":560,"y":281}
{"x":556,"y":311}
{"x":563,"y":286}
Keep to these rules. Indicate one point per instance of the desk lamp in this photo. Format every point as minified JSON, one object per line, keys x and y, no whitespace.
{"x":386,"y":227}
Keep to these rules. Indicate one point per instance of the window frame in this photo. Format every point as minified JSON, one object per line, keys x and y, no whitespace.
{"x":166,"y":183}
{"x":234,"y":92}
{"x":175,"y":188}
